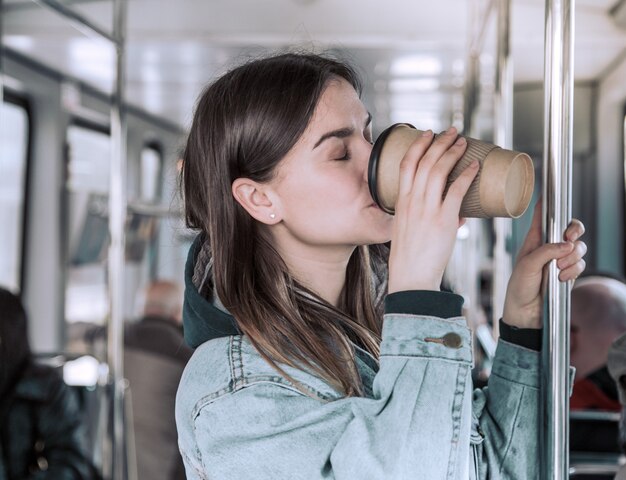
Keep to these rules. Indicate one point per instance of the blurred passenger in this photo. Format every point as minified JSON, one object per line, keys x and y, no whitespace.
{"x":598,"y":318}
{"x":41,"y":435}
{"x":617,"y":368}
{"x":155,"y":356}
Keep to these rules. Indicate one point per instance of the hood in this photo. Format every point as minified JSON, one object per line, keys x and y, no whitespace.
{"x":204,"y":316}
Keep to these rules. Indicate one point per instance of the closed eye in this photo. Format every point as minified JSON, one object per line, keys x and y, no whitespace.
{"x":346,"y":156}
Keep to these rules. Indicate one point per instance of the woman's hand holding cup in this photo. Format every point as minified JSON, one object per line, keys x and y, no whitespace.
{"x":426,"y":223}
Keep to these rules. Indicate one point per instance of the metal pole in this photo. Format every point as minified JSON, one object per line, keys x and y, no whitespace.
{"x":117,"y":221}
{"x":557,"y":181}
{"x":1,"y":55}
{"x":503,"y":136}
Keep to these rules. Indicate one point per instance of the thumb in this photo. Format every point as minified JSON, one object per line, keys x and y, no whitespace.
{"x":534,"y":261}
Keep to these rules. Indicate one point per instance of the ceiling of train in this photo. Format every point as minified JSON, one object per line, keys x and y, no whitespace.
{"x":412,"y":53}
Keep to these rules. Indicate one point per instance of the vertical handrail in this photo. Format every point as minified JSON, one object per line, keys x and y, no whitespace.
{"x":503,"y":136}
{"x":1,"y":54}
{"x":504,"y":78}
{"x":116,"y":258}
{"x":557,"y":181}
{"x":114,"y":467}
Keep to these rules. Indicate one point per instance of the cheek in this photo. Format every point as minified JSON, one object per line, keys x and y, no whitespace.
{"x":326,"y":193}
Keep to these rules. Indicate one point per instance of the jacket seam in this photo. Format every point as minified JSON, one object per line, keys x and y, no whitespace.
{"x":236,"y":361}
{"x":258,"y":379}
{"x":280,"y":383}
{"x":189,"y":461}
{"x":240,"y":379}
{"x":510,"y":344}
{"x":457,"y":407}
{"x":450,"y":320}
{"x":277,"y":380}
{"x":508,"y":447}
{"x":428,"y":357}
{"x":517,"y":381}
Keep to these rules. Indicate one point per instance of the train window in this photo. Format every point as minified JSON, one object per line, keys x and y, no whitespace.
{"x":89,"y":157}
{"x":150,"y":177}
{"x":14,"y":137}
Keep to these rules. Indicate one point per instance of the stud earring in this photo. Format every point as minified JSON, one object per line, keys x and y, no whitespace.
{"x":272,"y":216}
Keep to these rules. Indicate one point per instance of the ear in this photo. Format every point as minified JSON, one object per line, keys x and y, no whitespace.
{"x":257,"y":199}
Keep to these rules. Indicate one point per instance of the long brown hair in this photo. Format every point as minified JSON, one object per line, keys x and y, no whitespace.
{"x":244,"y":125}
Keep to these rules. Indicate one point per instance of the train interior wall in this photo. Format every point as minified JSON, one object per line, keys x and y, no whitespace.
{"x":598,"y":180}
{"x":598,"y":160}
{"x":46,"y":228}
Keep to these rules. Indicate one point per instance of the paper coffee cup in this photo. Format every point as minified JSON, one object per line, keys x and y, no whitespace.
{"x":503,"y":186}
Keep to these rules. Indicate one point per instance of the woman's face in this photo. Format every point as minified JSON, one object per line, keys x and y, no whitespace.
{"x":322,"y":182}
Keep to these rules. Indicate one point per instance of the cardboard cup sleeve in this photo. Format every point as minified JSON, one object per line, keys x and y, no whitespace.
{"x":503,"y":186}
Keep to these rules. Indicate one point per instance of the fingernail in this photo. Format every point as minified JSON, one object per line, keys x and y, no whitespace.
{"x":460,"y":141}
{"x":565,"y":245}
{"x":450,"y":130}
{"x":427,"y":133}
{"x":474,"y":164}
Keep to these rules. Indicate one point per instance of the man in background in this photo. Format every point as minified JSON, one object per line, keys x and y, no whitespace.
{"x":598,"y":318}
{"x":155,"y":355}
{"x":617,"y":369}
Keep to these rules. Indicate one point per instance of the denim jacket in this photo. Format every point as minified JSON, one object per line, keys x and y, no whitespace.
{"x":239,"y":418}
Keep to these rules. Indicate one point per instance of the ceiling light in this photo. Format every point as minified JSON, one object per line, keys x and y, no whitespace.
{"x":416,"y":65}
{"x":403,"y":85}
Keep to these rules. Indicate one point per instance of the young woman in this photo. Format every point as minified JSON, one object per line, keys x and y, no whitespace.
{"x":297,"y":374}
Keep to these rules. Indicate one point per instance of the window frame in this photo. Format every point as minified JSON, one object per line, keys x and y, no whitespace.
{"x":154,"y":245}
{"x":157,"y":147}
{"x":93,"y":126}
{"x":623,"y":189}
{"x":24,"y":102}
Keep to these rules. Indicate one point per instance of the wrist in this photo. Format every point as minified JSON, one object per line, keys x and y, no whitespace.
{"x":403,"y":287}
{"x":519,"y":320}
{"x":527,"y":314}
{"x":401,"y":283}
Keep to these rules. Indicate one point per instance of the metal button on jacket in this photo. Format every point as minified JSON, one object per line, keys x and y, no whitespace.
{"x":450,"y":340}
{"x":42,"y":463}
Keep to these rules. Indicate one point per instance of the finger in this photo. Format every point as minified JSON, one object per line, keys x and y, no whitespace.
{"x":430,"y":178}
{"x":534,"y":236}
{"x":441,"y":170}
{"x":573,"y":272}
{"x":458,"y":188}
{"x":574,"y":231}
{"x":408,"y":165}
{"x":538,"y":258}
{"x":580,"y":248}
{"x":441,"y":144}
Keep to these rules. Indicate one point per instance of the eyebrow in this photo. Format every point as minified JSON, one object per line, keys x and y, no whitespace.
{"x":341,"y":133}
